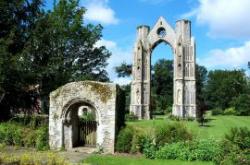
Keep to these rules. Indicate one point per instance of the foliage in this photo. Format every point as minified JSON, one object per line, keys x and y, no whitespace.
{"x":149,"y":147}
{"x":235,"y":147}
{"x":87,"y":116}
{"x":34,"y":61}
{"x":230,"y":111}
{"x":32,"y":159}
{"x":217,"y":111}
{"x":19,"y":135}
{"x":42,"y":138}
{"x":204,"y":150}
{"x":240,"y":137}
{"x":136,"y":160}
{"x":124,"y":140}
{"x":130,"y":117}
{"x":123,"y":70}
{"x":162,"y":85}
{"x":127,"y":90}
{"x":242,"y":104}
{"x":223,"y":86}
{"x":171,"y":133}
{"x":17,"y":22}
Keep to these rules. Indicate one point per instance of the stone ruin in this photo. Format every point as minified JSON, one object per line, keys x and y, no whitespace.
{"x":183,"y":48}
{"x":105,"y":99}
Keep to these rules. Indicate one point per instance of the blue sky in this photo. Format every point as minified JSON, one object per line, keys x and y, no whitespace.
{"x":221,"y":29}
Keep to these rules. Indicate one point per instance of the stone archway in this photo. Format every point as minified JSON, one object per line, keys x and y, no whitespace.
{"x":65,"y":102}
{"x":183,"y":48}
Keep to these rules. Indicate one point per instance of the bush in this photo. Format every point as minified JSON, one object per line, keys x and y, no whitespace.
{"x":203,"y":150}
{"x":240,"y":137}
{"x":130,"y":117}
{"x":10,"y":134}
{"x":148,"y":147}
{"x":177,"y":150}
{"x":217,"y":111}
{"x":32,"y":159}
{"x":42,"y":139}
{"x":124,"y":140}
{"x":18,"y":135}
{"x":230,"y":111}
{"x":242,"y":104}
{"x":171,"y":133}
{"x":235,"y":148}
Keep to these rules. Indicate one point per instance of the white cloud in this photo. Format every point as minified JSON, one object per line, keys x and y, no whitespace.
{"x":99,"y":11}
{"x":225,"y":18}
{"x":119,"y":55}
{"x":231,"y":58}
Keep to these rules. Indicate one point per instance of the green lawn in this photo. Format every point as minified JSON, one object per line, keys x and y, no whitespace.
{"x":216,"y":127}
{"x":125,"y":160}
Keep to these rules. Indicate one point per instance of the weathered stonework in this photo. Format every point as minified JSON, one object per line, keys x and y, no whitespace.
{"x":183,"y":48}
{"x":102,"y":97}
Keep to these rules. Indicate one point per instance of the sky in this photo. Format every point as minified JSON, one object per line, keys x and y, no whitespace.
{"x":221,"y":29}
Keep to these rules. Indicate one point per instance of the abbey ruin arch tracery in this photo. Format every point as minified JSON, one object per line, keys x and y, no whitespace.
{"x":183,"y":48}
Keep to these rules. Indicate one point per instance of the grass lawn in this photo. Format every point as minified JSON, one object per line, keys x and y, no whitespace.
{"x":125,"y":160}
{"x":216,"y":127}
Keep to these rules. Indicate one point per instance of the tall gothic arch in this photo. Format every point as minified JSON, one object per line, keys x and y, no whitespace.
{"x":183,"y":48}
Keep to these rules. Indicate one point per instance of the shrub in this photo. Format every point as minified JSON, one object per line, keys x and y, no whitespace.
{"x":148,"y":147}
{"x":173,"y":151}
{"x":240,"y":137}
{"x":10,"y":134}
{"x":130,"y":117}
{"x":204,"y":150}
{"x":230,"y":111}
{"x":171,"y":133}
{"x":32,"y":159}
{"x":217,"y":111}
{"x":235,"y":148}
{"x":242,"y":104}
{"x":42,"y":140}
{"x":124,"y":140}
{"x":18,"y":135}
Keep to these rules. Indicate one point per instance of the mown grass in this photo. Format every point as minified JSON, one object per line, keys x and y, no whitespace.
{"x":126,"y":160}
{"x":215,"y":127}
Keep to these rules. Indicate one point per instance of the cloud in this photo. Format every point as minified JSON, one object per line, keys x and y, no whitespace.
{"x":231,"y":58}
{"x":99,"y":11}
{"x":119,"y":55}
{"x":225,"y":18}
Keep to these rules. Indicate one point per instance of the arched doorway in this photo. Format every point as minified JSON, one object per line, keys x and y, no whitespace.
{"x":161,"y":79}
{"x":80,"y":124}
{"x":183,"y":46}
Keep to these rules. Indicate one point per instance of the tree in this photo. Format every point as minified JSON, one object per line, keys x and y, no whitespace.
{"x":17,"y":20}
{"x":65,"y":51}
{"x":124,"y":70}
{"x":46,"y":49}
{"x":223,"y":85}
{"x":162,"y":85}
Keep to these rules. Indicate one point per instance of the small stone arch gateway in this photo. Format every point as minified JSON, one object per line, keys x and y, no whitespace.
{"x":183,"y":48}
{"x":72,"y":99}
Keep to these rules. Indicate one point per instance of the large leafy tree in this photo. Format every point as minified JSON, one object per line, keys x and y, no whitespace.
{"x":162,"y":85}
{"x":223,"y":86}
{"x":17,"y":20}
{"x":66,"y":50}
{"x":45,"y":49}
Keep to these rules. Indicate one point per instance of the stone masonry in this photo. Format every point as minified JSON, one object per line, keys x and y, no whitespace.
{"x":183,"y":48}
{"x":100,"y":96}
